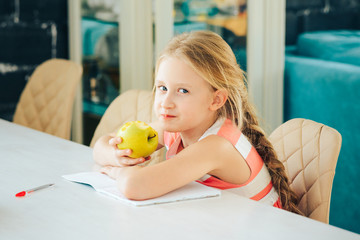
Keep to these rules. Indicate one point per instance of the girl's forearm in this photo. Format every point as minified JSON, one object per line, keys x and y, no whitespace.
{"x":130,"y":182}
{"x":103,"y":153}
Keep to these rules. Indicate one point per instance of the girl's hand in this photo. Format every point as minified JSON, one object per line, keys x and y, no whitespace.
{"x":106,"y":153}
{"x":122,"y":158}
{"x":118,"y":172}
{"x":112,"y":172}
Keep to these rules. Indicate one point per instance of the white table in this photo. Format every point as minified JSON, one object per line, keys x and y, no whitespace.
{"x":73,"y":211}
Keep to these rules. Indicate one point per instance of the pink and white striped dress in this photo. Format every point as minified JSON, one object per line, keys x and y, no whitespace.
{"x":258,"y":187}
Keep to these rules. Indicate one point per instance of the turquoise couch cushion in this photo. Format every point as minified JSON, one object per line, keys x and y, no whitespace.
{"x":338,"y":46}
{"x":329,"y":92}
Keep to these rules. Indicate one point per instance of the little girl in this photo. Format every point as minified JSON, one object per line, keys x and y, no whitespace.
{"x":208,"y":126}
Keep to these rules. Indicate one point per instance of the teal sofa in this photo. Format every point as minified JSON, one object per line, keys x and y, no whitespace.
{"x":322,"y":83}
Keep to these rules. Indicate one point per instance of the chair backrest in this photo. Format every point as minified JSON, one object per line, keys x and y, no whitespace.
{"x":47,"y":99}
{"x":309,"y":152}
{"x":129,"y":106}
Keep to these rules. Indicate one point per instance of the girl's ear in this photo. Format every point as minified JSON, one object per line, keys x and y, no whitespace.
{"x":219,"y":99}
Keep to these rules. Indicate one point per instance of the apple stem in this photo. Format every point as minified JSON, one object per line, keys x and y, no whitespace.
{"x":150,"y":137}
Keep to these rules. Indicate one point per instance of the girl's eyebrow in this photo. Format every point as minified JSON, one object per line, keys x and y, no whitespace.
{"x":158,"y":81}
{"x":179,"y":84}
{"x":186,"y":85}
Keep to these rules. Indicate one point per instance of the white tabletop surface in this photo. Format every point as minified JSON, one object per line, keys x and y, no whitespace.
{"x":73,"y":211}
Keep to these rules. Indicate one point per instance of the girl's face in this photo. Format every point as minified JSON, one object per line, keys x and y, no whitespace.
{"x":183,"y":99}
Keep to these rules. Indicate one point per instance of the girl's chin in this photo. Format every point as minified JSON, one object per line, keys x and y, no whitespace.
{"x":169,"y":127}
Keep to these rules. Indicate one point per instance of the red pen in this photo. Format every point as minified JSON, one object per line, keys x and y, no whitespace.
{"x":24,"y":193}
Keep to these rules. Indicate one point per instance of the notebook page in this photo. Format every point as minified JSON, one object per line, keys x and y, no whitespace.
{"x":104,"y":184}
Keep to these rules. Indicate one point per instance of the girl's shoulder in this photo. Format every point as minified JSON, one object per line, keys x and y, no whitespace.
{"x":224,"y":128}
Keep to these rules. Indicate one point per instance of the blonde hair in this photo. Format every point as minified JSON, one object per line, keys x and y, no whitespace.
{"x":213,"y":59}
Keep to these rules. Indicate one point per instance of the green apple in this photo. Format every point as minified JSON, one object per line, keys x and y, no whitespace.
{"x":138,"y":136}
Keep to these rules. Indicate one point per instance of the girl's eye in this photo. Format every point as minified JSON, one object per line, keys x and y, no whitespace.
{"x":182,"y":90}
{"x":162,"y":88}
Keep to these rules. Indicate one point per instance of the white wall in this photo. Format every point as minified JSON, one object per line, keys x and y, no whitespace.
{"x":265,"y":59}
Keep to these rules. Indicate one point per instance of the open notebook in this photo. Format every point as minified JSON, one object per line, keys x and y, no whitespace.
{"x":104,"y":184}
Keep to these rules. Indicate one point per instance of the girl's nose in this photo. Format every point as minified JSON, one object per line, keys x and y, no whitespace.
{"x":167,"y":102}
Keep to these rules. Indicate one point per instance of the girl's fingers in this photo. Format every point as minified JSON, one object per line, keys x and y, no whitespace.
{"x":114,"y":141}
{"x":124,"y":162}
{"x":110,"y":171}
{"x":123,"y":153}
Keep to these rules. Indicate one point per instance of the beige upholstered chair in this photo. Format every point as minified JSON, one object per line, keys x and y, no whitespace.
{"x":47,"y":100}
{"x":129,"y":106}
{"x":309,"y":151}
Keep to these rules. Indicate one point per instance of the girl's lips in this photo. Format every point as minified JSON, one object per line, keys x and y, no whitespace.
{"x":167,"y":116}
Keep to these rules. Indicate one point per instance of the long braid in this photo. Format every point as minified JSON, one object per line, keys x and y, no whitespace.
{"x":263,"y":146}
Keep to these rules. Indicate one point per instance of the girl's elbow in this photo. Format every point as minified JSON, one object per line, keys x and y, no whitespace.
{"x":132,"y":189}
